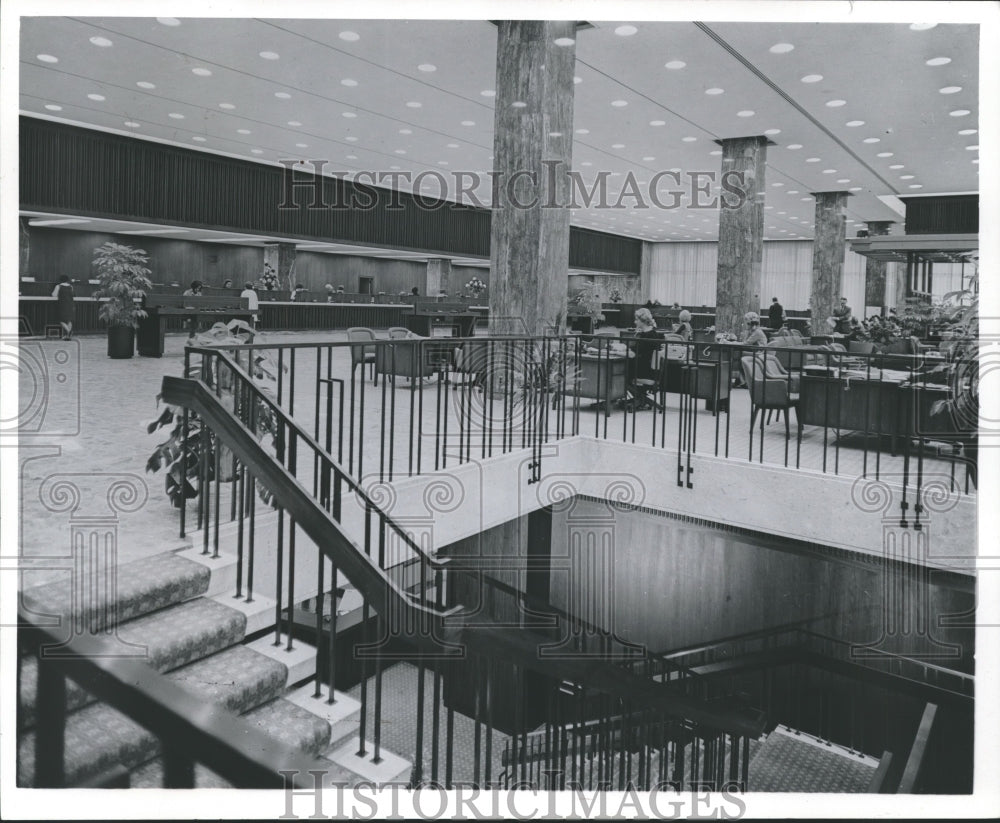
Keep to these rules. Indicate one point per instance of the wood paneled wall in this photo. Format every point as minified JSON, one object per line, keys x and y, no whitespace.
{"x":675,"y":583}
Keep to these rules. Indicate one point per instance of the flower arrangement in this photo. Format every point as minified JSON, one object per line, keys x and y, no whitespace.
{"x":475,"y":287}
{"x":587,"y":303}
{"x":269,"y":280}
{"x":616,"y":295}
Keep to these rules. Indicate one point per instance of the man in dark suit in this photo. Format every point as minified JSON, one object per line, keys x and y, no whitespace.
{"x":775,"y":314}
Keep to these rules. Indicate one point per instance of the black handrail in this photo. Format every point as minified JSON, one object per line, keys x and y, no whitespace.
{"x":190,"y":728}
{"x":439,"y":636}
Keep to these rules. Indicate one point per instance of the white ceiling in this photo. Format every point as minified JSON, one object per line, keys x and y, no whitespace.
{"x":415,"y":96}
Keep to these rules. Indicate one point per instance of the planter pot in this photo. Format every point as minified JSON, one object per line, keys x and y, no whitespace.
{"x":582,"y":323}
{"x":121,"y":342}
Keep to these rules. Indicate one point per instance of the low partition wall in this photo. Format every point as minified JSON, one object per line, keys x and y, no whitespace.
{"x":860,"y":515}
{"x":38,"y":313}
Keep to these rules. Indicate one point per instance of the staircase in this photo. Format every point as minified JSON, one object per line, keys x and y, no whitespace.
{"x":166,"y":612}
{"x":792,"y":761}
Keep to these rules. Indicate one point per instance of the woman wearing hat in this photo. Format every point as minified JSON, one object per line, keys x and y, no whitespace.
{"x":754,"y":335}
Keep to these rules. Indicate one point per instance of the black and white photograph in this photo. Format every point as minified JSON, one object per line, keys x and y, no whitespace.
{"x":488,"y":410}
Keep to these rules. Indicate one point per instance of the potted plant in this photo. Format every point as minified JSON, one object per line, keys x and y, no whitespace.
{"x":585,"y":310}
{"x":123,"y":278}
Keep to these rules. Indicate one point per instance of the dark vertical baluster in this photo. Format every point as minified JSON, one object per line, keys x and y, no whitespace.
{"x":332,"y":648}
{"x":292,"y":463}
{"x":364,"y":677}
{"x":240,"y":481}
{"x":320,"y":598}
{"x":50,"y":733}
{"x":449,"y":746}
{"x":178,"y":769}
{"x":252,"y":517}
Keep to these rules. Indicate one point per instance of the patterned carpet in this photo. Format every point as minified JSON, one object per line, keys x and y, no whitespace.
{"x":786,"y":763}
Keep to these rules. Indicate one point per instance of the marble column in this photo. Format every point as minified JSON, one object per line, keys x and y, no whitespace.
{"x":532,"y":149}
{"x":281,"y":258}
{"x":24,"y":246}
{"x":438,"y":276}
{"x":741,"y":232}
{"x":828,"y":257}
{"x":875,"y":270}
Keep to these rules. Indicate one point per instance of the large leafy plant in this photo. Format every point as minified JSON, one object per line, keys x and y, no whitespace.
{"x":587,"y":302}
{"x":183,"y":465}
{"x":124,"y":278}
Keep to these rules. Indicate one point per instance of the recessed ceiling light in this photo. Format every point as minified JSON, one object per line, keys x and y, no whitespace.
{"x":844,"y":180}
{"x":394,"y":168}
{"x":269,"y":55}
{"x":202,"y":72}
{"x":906,"y":177}
{"x":626,"y":31}
{"x":145,"y":84}
{"x":468,"y":122}
{"x":168,"y":21}
{"x":939,"y":61}
{"x":583,"y":131}
{"x":256,"y":151}
{"x":243,"y":131}
{"x":964,"y":132}
{"x":564,"y":41}
{"x":685,"y":139}
{"x":427,"y":67}
{"x":794,"y":146}
{"x":656,"y":123}
{"x":451,"y":145}
{"x":916,"y":186}
{"x":674,"y":64}
{"x":619,"y":103}
{"x":406,"y":131}
{"x":715,"y":90}
{"x":959,"y":112}
{"x":131,"y":124}
{"x":351,"y":138}
{"x":302,"y":145}
{"x":442,"y":162}
{"x":715,"y":153}
{"x":772,"y":132}
{"x":746,"y":113}
{"x":972,"y":148}
{"x":648,"y":159}
{"x":829,"y":171}
{"x":100,"y":98}
{"x":413,"y":104}
{"x":855,"y":188}
{"x":777,"y":185}
{"x":198,"y":138}
{"x":347,"y":81}
{"x":349,"y":36}
{"x":896,"y":166}
{"x":812,"y":159}
{"x":103,"y":42}
{"x":294,"y":123}
{"x":488,"y":93}
{"x":352,"y":157}
{"x":781,"y":48}
{"x":399,"y":151}
{"x":812,"y":78}
{"x":884,"y":154}
{"x":47,"y":58}
{"x":834,"y":104}
{"x":792,"y":191}
{"x":577,"y":81}
{"x":922,"y":26}
{"x":950,"y":90}
{"x":586,"y":163}
{"x":617,"y":145}
{"x":226,"y":106}
{"x":976,"y":161}
{"x":853,"y":124}
{"x":805,"y":198}
{"x":53,"y":107}
{"x":349,"y":114}
{"x":283,"y":95}
{"x":871,"y":140}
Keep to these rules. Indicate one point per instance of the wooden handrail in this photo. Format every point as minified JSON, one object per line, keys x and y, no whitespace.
{"x":915,"y":762}
{"x":206,"y":732}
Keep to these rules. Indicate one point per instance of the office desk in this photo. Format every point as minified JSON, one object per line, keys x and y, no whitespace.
{"x":461,"y":324}
{"x":199,"y":310}
{"x":602,"y":378}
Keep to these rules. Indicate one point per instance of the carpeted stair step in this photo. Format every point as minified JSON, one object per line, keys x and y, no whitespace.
{"x":137,"y":588}
{"x":99,"y":737}
{"x":291,"y":725}
{"x":795,"y":762}
{"x":173,"y":637}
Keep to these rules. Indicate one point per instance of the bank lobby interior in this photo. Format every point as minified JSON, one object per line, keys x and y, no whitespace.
{"x":443,"y":516}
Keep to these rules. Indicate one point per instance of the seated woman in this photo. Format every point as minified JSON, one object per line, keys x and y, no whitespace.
{"x":753,"y":336}
{"x":647,"y":342}
{"x":683,"y":327}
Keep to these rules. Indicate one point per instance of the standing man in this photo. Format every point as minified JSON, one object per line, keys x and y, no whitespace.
{"x":775,"y":314}
{"x":253,"y":302}
{"x":843,"y":315}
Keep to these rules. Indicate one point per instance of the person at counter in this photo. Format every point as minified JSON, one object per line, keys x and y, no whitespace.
{"x":195,"y":290}
{"x":253,"y":301}
{"x":297,"y":291}
{"x":65,"y":308}
{"x":843,"y":316}
{"x":228,"y":284}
